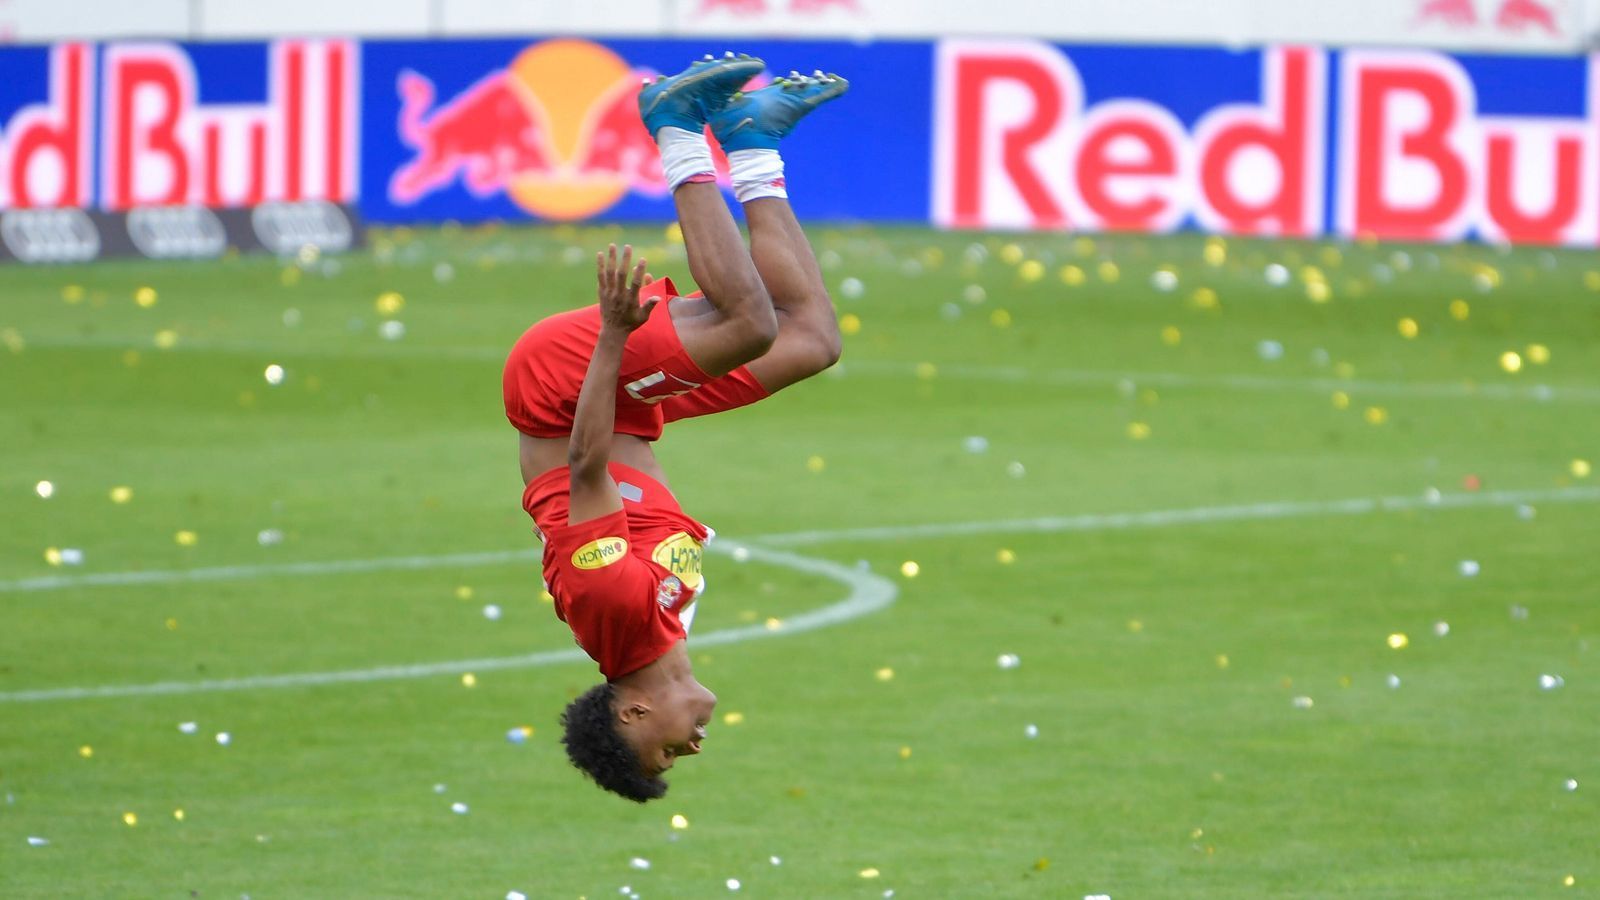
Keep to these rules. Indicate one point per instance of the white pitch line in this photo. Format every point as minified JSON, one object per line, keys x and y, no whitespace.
{"x":1536,"y":393}
{"x":869,"y":593}
{"x":1192,"y":516}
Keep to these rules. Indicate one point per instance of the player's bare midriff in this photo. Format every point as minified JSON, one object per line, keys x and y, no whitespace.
{"x":540,"y":455}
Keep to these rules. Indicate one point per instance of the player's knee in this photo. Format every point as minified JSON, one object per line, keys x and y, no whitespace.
{"x":758,"y":329}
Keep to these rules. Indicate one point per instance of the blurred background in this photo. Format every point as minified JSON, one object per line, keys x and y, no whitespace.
{"x":1204,"y":505}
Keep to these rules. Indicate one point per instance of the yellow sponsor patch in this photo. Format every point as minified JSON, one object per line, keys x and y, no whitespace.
{"x":600,"y":553}
{"x":680,"y":554}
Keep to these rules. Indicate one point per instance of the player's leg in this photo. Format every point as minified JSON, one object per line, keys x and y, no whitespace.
{"x":808,"y":332}
{"x":737,"y":323}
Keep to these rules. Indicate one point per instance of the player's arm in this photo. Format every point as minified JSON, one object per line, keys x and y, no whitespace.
{"x":594,"y":494}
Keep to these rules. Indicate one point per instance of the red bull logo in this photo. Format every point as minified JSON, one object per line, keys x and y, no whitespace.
{"x":557,"y":131}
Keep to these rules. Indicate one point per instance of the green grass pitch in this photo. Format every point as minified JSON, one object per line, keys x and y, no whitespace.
{"x":1194,"y":503}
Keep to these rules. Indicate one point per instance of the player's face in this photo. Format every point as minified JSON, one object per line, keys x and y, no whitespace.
{"x":674,"y":729}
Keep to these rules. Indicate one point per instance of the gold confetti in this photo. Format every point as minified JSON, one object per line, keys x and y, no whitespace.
{"x":1460,"y":310}
{"x":1511,"y":361}
{"x":815,"y":464}
{"x":1591,"y":280}
{"x":1197,"y":834}
{"x":1109,"y":273}
{"x":1331,"y":257}
{"x":1000,"y":319}
{"x":166,"y":339}
{"x":1222,"y":660}
{"x":145,"y":297}
{"x":773,"y":624}
{"x":1204,"y":298}
{"x":673,"y":233}
{"x":1031,"y":271}
{"x":884,"y":674}
{"x":289,"y":277}
{"x":1005,"y":556}
{"x":927,"y":371}
{"x":547,"y":597}
{"x":1135,"y":626}
{"x":1071,"y":276}
{"x":86,"y":751}
{"x":1171,"y":336}
{"x":172,"y":624}
{"x":733,"y":718}
{"x":186,"y":538}
{"x":1569,"y":881}
{"x":131,"y":358}
{"x":121,"y":494}
{"x":464,"y":592}
{"x":1011,"y":254}
{"x":909,"y":569}
{"x":1083,"y":245}
{"x":1344,"y":369}
{"x":849,"y":324}
{"x":178,"y":814}
{"x":1580,"y":468}
{"x":52,"y":555}
{"x":12,"y":338}
{"x":680,"y":821}
{"x":1317,"y":292}
{"x":130,"y":819}
{"x":469,"y":680}
{"x":72,"y":293}
{"x":1376,"y":415}
{"x":1408,"y":328}
{"x":869,"y":873}
{"x":1040,"y":864}
{"x":1398,"y":641}
{"x":1216,"y":252}
{"x":1341,"y":400}
{"x":389,"y":303}
{"x":1538,"y":354}
{"x":1138,"y":430}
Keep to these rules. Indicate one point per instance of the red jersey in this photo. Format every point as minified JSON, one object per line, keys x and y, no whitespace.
{"x":621,"y":581}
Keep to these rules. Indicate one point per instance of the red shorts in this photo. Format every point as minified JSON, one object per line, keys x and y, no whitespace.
{"x":659,"y":383}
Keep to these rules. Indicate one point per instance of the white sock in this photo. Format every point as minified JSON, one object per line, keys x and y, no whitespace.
{"x":684,"y":155}
{"x":757,"y":173}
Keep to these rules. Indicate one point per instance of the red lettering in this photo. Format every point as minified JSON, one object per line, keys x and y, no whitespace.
{"x":134,"y":141}
{"x":1099,"y":163}
{"x":57,"y":129}
{"x":295,"y":98}
{"x":973,"y":76}
{"x":256,"y":166}
{"x":1285,"y":134}
{"x":1523,"y":227}
{"x":1425,"y":145}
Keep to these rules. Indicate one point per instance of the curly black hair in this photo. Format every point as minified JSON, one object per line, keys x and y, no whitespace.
{"x":594,"y":746}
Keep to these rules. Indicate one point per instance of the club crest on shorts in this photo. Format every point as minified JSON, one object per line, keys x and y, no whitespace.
{"x":667,"y":592}
{"x":598,"y":554}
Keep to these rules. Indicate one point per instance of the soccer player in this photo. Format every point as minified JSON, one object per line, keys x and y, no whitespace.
{"x":590,"y":389}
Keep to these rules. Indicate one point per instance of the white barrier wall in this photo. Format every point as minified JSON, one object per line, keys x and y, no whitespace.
{"x":1502,"y":25}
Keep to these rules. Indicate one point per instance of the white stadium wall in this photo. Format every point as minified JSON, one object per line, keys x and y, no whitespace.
{"x":1497,"y":25}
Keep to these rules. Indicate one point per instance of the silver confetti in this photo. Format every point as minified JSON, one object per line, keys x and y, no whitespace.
{"x":1303,"y":702}
{"x":1393,"y":681}
{"x":1551,"y":682}
{"x":1008,"y":661}
{"x":976,"y":443}
{"x":37,"y":841}
{"x":1468,"y":568}
{"x":492,"y":612}
{"x":852,"y":289}
{"x":459,"y":808}
{"x":639,"y":862}
{"x":1031,"y":730}
{"x":188,"y":727}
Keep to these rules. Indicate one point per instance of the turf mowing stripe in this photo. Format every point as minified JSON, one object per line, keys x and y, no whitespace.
{"x":1537,"y":393}
{"x":1192,"y":516}
{"x":869,"y":593}
{"x":1087,"y":522}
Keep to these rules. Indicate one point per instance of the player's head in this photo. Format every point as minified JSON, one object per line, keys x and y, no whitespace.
{"x":626,"y":739}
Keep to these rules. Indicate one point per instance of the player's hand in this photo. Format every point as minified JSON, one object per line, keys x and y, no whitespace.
{"x":619,"y":290}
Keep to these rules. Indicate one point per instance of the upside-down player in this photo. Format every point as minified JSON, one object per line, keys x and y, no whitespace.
{"x":590,"y":389}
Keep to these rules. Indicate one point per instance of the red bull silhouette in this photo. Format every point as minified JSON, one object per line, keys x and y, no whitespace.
{"x":1517,"y":15}
{"x":616,"y":143}
{"x":488,"y":135}
{"x":1456,"y":13}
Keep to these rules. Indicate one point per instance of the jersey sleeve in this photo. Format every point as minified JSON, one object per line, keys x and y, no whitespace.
{"x":595,"y":574}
